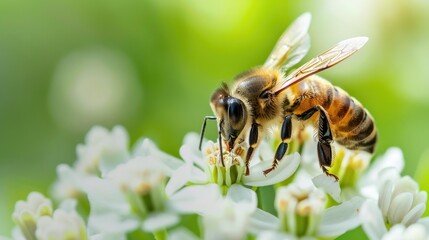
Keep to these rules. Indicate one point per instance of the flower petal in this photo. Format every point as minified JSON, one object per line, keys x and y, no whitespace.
{"x":70,"y":182}
{"x":385,"y":197}
{"x":405,"y":184}
{"x":145,"y":147}
{"x":110,"y":211}
{"x":399,"y":207}
{"x":420,"y":197}
{"x":159,"y":221}
{"x":393,"y":158}
{"x":68,"y":205}
{"x":184,"y":174}
{"x":339,"y":219}
{"x":425,"y":222}
{"x":104,"y":236}
{"x":189,"y":155}
{"x":275,"y":235}
{"x":395,"y":233}
{"x":227,"y":220}
{"x":111,"y":158}
{"x":265,"y":151}
{"x":181,"y":233}
{"x":17,"y":234}
{"x":240,"y":194}
{"x":178,"y":179}
{"x":112,"y":224}
{"x":284,"y":170}
{"x":192,"y":140}
{"x":329,"y":185}
{"x":416,"y":232}
{"x":372,"y":220}
{"x":414,"y":214}
{"x":195,"y":199}
{"x":262,"y":221}
{"x":310,"y":162}
{"x":104,"y":196}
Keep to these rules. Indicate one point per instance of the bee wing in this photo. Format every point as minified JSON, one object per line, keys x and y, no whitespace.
{"x":333,"y":56}
{"x":296,"y":54}
{"x":292,"y":45}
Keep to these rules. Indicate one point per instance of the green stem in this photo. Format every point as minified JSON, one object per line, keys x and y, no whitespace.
{"x":301,"y":225}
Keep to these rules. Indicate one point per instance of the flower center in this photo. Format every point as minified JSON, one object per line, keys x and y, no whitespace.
{"x":142,"y":181}
{"x":229,"y":168}
{"x":348,"y":167}
{"x":299,"y":209}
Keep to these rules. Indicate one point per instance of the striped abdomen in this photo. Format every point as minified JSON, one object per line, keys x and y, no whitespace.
{"x":351,"y":124}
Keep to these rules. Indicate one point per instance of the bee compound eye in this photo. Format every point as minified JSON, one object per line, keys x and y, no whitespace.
{"x":235,"y":110}
{"x":265,"y":94}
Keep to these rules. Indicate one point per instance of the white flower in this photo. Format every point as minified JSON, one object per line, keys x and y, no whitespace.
{"x":229,"y":219}
{"x":27,"y":213}
{"x":224,"y":217}
{"x":125,"y":190}
{"x":204,"y":167}
{"x":65,"y":223}
{"x":145,"y":147}
{"x":351,"y":167}
{"x":101,"y":153}
{"x":214,"y":179}
{"x":69,"y":184}
{"x":374,"y":225}
{"x":341,"y":169}
{"x":131,"y":196}
{"x":102,"y":150}
{"x":302,"y":213}
{"x":111,"y":214}
{"x":295,"y":203}
{"x":181,"y":233}
{"x":139,"y":175}
{"x":399,"y":198}
{"x":367,"y":184}
{"x":413,"y":232}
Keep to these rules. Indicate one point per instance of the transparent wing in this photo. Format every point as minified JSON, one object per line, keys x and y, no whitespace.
{"x":333,"y":56}
{"x":293,"y":42}
{"x":296,"y":54}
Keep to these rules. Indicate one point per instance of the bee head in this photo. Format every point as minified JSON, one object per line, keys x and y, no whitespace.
{"x":231,"y":113}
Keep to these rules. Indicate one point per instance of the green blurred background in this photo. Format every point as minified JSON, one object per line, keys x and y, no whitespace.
{"x":151,"y":66}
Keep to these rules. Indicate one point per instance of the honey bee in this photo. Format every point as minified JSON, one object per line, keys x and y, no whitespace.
{"x":265,"y":97}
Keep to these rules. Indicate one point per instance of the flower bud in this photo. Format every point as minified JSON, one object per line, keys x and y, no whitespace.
{"x":27,"y":213}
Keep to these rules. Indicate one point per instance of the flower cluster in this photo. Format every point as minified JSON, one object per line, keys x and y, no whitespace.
{"x":112,"y":192}
{"x":36,"y":219}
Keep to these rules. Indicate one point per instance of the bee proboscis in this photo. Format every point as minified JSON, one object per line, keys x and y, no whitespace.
{"x":264,"y":97}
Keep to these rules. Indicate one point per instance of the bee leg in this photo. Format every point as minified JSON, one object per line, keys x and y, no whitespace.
{"x":285,"y":135}
{"x":324,"y":150}
{"x":220,"y":143}
{"x":203,"y":129}
{"x":253,"y":143}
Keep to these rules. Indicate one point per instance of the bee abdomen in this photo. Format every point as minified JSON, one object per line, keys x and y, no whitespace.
{"x":356,"y":129}
{"x":352,"y":125}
